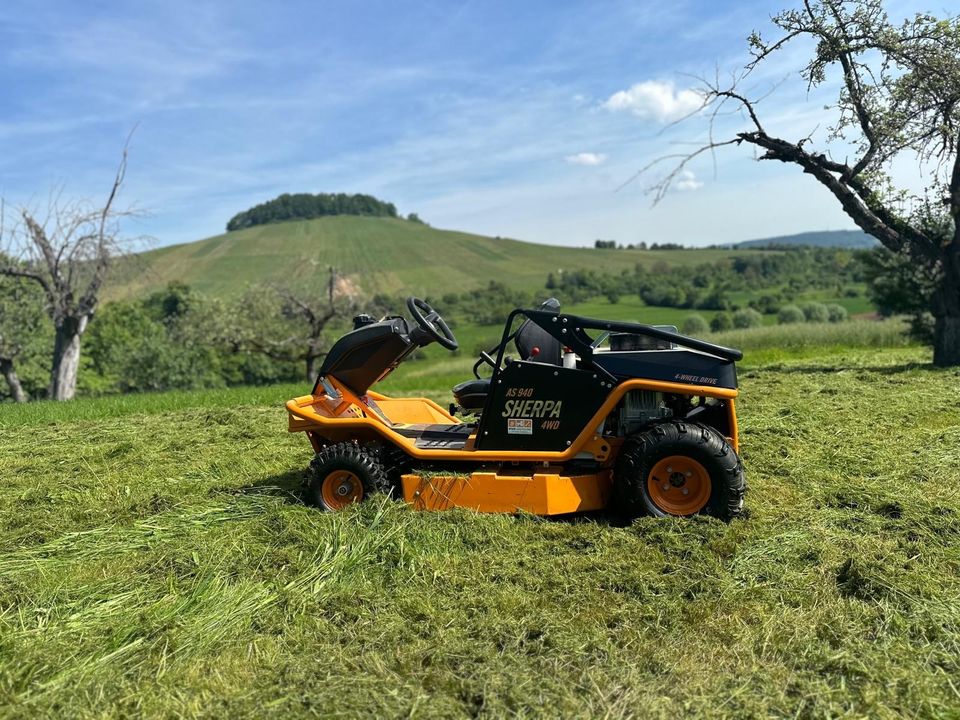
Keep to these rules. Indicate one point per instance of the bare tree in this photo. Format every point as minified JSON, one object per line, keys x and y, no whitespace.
{"x":68,"y":253}
{"x":290,"y":326}
{"x":899,"y":93}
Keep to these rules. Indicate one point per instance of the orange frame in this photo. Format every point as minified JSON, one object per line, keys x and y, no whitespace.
{"x":355,"y":417}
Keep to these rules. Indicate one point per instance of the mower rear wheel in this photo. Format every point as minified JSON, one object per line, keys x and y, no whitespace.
{"x":678,"y":468}
{"x":343,"y":474}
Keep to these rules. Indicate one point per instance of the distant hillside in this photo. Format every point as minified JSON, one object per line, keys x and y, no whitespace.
{"x":378,"y":255}
{"x":850,"y":239}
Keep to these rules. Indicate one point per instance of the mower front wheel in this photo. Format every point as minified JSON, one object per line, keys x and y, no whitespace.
{"x":679,"y":468}
{"x":343,"y":474}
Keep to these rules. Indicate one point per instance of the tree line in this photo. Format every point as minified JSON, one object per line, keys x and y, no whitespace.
{"x":179,"y":339}
{"x":306,"y":206}
{"x":642,"y":245}
{"x":773,"y":278}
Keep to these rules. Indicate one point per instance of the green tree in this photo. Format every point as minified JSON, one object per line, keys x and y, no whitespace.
{"x":22,"y":332}
{"x":898,"y":98}
{"x":721,"y":322}
{"x":288,"y":326}
{"x":790,"y":314}
{"x":173,"y":339}
{"x":897,"y":285}
{"x":695,"y":325}
{"x":836,"y":313}
{"x":747,"y":318}
{"x":815,"y":312}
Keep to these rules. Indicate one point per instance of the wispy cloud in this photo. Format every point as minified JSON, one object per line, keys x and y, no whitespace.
{"x":586,"y":158}
{"x":687,"y":181}
{"x":656,"y":100}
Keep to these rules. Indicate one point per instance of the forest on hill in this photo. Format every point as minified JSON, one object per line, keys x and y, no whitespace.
{"x":305,"y":206}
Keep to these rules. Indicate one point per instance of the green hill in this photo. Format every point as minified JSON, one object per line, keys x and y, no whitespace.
{"x":376,"y":254}
{"x":850,"y":239}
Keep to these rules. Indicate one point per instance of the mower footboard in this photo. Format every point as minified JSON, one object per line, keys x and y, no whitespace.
{"x":334,"y":417}
{"x":413,"y":410}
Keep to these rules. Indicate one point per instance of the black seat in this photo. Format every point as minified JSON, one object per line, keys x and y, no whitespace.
{"x":532,"y":342}
{"x":535,"y":343}
{"x":472,"y":394}
{"x":363,"y":356}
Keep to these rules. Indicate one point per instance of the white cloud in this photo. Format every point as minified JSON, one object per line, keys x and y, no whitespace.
{"x":654,"y":99}
{"x":586,"y":158}
{"x":687,"y":181}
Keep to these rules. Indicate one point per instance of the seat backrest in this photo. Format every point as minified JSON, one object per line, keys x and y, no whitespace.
{"x":364,"y":356}
{"x":532,"y":336}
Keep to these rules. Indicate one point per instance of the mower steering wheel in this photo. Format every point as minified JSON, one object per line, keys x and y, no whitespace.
{"x":431,"y":323}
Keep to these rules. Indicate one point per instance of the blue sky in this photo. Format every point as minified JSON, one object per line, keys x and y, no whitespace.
{"x":519,"y":119}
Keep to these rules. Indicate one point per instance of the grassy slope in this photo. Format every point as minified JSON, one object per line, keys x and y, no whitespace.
{"x":160,"y":563}
{"x":381,"y":255}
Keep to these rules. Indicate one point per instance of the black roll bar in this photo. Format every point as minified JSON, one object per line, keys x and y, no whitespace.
{"x":570,"y":330}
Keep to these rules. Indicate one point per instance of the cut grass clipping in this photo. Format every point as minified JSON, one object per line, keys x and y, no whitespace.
{"x":161,"y":564}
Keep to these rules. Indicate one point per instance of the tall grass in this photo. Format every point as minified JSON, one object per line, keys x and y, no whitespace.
{"x":161,"y":564}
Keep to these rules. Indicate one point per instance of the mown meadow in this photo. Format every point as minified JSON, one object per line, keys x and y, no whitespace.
{"x":156,"y":560}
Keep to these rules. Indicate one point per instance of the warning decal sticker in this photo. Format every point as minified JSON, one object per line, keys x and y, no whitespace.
{"x":519,"y":426}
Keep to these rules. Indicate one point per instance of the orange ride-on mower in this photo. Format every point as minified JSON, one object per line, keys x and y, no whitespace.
{"x":590,"y":415}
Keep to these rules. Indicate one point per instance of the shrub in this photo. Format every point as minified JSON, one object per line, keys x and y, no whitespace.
{"x":695,"y":325}
{"x":790,"y":314}
{"x":799,"y":336}
{"x":747,"y":318}
{"x":766,"y":304}
{"x":721,"y":322}
{"x":836,"y":313}
{"x":815,"y":312}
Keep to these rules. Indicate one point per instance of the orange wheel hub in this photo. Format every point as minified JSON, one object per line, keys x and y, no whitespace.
{"x":679,"y":485}
{"x":341,"y":488}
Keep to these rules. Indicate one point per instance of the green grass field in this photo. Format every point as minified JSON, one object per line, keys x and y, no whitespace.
{"x":380,"y":255}
{"x":155,"y":560}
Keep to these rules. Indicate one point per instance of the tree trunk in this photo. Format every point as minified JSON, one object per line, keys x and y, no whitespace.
{"x":946,"y":311}
{"x":313,"y":366}
{"x":946,"y":341}
{"x":10,"y":374}
{"x":66,"y":358}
